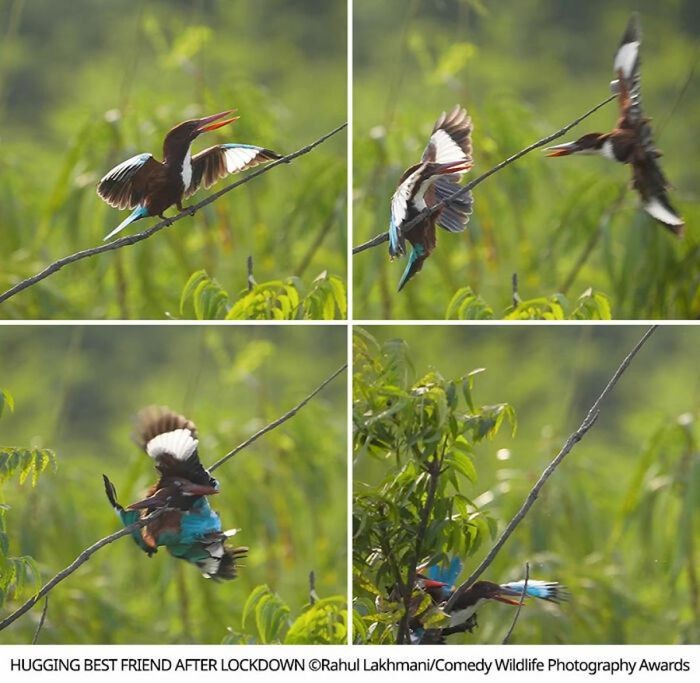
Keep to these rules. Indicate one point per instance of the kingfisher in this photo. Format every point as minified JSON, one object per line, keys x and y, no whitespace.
{"x":445,"y":160}
{"x":149,"y":187}
{"x":631,"y":142}
{"x":438,"y":583}
{"x":189,"y":529}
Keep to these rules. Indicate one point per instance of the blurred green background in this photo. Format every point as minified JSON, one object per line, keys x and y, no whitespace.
{"x":619,"y":520}
{"x":88,"y":83}
{"x":523,"y":69}
{"x":76,"y":391}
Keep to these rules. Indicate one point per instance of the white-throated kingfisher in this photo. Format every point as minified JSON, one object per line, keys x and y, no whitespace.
{"x":189,"y":529}
{"x":631,"y":142}
{"x":149,"y":187}
{"x":445,"y":160}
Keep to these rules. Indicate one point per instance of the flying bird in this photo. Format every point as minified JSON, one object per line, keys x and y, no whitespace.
{"x":631,"y":142}
{"x":189,"y":529}
{"x":445,"y":160}
{"x":149,"y":187}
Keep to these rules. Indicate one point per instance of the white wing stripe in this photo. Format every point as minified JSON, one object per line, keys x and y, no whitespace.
{"x":179,"y":443}
{"x":446,"y":149}
{"x":237,"y":158}
{"x":626,"y":57}
{"x":656,"y":209}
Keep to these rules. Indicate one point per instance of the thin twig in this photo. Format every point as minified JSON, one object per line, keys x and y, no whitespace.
{"x":278,"y":421}
{"x":520,"y":605}
{"x":429,"y":211}
{"x":140,"y":236}
{"x":573,"y":439}
{"x":81,"y":559}
{"x":516,"y":294}
{"x":313,"y":595}
{"x":250,"y":280}
{"x":35,"y":639}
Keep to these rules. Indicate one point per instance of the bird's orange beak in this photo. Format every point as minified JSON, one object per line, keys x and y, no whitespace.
{"x":561,"y":150}
{"x":212,"y":122}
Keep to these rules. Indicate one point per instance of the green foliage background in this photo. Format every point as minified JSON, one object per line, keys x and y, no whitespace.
{"x":76,"y":391}
{"x":523,"y":69}
{"x":87,"y":84}
{"x":619,"y":521}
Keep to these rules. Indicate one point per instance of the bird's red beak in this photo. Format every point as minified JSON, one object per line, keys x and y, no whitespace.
{"x":508,"y":601}
{"x":430,"y":583}
{"x":199,"y":490}
{"x":212,"y":122}
{"x":562,"y":150}
{"x":456,"y":167}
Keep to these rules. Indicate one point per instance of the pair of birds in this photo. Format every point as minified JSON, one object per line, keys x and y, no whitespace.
{"x":449,"y":155}
{"x":188,"y":528}
{"x":439,"y":583}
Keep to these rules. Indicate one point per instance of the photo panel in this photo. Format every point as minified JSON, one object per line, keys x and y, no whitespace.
{"x":187,"y":431}
{"x":226,"y":119}
{"x":500,"y":465}
{"x":544,"y":123}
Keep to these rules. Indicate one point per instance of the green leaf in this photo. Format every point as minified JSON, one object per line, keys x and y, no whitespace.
{"x":6,"y":400}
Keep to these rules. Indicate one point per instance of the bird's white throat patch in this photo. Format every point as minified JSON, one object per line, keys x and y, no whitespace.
{"x":187,"y":168}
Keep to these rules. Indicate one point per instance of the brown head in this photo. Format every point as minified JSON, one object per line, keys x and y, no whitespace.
{"x":586,"y":144}
{"x":179,"y":138}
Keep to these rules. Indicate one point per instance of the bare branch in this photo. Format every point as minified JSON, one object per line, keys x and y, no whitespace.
{"x":520,"y":605}
{"x":573,"y":439}
{"x":251,"y":279}
{"x":434,"y":469}
{"x":313,"y":595}
{"x":276,"y":423}
{"x":35,"y":639}
{"x":384,"y":237}
{"x":140,"y":236}
{"x":516,"y":293}
{"x":81,"y":559}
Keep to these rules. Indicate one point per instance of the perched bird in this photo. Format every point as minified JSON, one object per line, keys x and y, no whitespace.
{"x":445,"y":160}
{"x":630,"y":142}
{"x":189,"y":528}
{"x":149,"y":187}
{"x":439,"y":583}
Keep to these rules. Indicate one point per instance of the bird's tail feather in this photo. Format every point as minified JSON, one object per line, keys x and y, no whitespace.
{"x":136,"y":214}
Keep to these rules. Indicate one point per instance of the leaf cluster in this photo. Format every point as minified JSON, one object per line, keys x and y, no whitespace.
{"x":466,"y":304}
{"x":320,"y":622}
{"x":19,"y":576}
{"x":423,"y":432}
{"x":289,"y":299}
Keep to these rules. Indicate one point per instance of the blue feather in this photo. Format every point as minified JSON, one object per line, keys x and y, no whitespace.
{"x":394,"y":243}
{"x":447,"y":574}
{"x":136,"y":214}
{"x":416,"y":253}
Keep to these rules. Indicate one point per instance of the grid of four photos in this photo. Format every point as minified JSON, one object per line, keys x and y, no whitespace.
{"x":319,"y":329}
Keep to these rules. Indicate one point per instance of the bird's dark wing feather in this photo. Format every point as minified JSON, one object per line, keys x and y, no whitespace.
{"x":125,"y":186}
{"x":453,"y":217}
{"x":221,"y":160}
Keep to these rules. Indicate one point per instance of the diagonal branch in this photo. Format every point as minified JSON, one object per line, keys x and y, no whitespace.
{"x":587,"y":423}
{"x":88,"y":552}
{"x":140,"y":236}
{"x":276,"y":423}
{"x":81,"y":559}
{"x":429,"y":211}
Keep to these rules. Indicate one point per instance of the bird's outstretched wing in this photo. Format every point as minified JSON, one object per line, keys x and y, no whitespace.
{"x":124,"y":187}
{"x":171,"y":440}
{"x":450,"y":141}
{"x":221,"y":160}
